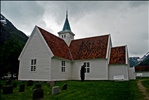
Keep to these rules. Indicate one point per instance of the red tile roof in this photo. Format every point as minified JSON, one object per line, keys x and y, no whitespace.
{"x":118,"y":55}
{"x":56,"y":44}
{"x":89,"y":48}
{"x":141,"y":68}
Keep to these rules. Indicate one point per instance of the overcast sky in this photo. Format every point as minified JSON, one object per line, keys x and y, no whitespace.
{"x":126,"y":21}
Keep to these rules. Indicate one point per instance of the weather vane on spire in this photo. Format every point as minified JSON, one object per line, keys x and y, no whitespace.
{"x":67,"y":13}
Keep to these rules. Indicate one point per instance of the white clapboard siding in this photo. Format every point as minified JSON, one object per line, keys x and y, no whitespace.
{"x":35,"y":48}
{"x":132,"y":73}
{"x":142,"y":74}
{"x":98,"y":69}
{"x":119,"y":69}
{"x":57,"y":74}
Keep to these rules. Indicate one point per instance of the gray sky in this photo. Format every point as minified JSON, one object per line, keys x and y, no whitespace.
{"x":126,"y":21}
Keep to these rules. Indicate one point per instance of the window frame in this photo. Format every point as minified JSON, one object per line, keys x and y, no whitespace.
{"x":63,"y":35}
{"x":87,"y":67}
{"x":63,"y":63}
{"x":33,"y":65}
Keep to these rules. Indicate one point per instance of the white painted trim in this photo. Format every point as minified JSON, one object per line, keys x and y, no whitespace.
{"x":127,"y":56}
{"x":33,"y":79}
{"x":107,"y":52}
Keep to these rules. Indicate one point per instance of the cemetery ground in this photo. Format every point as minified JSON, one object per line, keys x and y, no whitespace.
{"x":87,"y":90}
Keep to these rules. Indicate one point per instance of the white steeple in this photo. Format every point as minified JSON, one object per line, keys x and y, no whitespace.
{"x":66,"y":34}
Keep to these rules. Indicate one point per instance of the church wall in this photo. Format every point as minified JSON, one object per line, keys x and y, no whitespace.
{"x":116,"y":70}
{"x":56,"y":70}
{"x":35,"y":49}
{"x":132,"y":73}
{"x":142,"y":74}
{"x":98,"y":69}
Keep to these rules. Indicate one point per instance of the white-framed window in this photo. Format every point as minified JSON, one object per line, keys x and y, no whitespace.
{"x":64,"y":36}
{"x":87,"y":67}
{"x":63,"y":66}
{"x":33,"y":64}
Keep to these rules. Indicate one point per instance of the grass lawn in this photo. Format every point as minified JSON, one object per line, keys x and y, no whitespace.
{"x":88,"y":90}
{"x":146,"y":84}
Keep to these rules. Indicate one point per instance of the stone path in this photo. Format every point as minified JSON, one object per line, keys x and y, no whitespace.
{"x":143,"y":89}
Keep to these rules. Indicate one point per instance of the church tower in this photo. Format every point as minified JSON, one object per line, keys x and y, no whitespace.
{"x":66,"y":34}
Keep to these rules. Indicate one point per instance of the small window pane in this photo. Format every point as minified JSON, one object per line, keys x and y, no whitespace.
{"x":34,"y":68}
{"x":64,"y":69}
{"x":34,"y":61}
{"x":31,"y":68}
{"x":88,"y":64}
{"x":85,"y":64}
{"x":88,"y":70}
{"x":63,"y":63}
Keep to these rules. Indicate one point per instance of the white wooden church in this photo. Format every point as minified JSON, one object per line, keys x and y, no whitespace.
{"x":46,"y":57}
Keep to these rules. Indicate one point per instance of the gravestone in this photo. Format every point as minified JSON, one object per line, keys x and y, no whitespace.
{"x":1,"y":86}
{"x":118,"y":77}
{"x":64,"y":87}
{"x":30,"y":83}
{"x":22,"y":88}
{"x":55,"y":90}
{"x":8,"y":82}
{"x":7,"y":89}
{"x":14,"y":85}
{"x":38,"y":94}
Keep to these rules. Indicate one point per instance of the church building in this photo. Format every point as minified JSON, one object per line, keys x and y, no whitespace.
{"x":46,"y":57}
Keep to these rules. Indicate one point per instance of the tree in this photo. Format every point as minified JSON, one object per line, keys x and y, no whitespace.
{"x":10,"y":52}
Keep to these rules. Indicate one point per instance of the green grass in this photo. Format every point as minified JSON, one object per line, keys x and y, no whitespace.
{"x":146,"y":84}
{"x":88,"y":90}
{"x":134,"y":90}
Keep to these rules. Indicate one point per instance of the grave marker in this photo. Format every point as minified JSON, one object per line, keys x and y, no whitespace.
{"x":38,"y":93}
{"x":118,"y":77}
{"x":14,"y":85}
{"x":7,"y":89}
{"x":22,"y":88}
{"x":1,"y":86}
{"x":55,"y":90}
{"x":64,"y":87}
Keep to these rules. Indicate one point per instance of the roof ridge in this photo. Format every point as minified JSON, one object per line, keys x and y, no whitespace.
{"x":91,"y":37}
{"x":57,"y":45}
{"x":50,"y":33}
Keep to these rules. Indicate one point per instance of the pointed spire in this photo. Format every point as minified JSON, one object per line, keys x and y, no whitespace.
{"x":66,"y":24}
{"x":66,"y":13}
{"x":66,"y":27}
